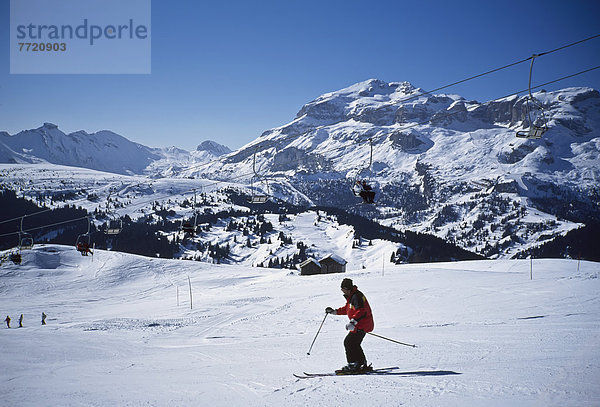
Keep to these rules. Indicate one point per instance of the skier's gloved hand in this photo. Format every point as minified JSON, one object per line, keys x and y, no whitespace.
{"x":330,"y":310}
{"x":351,"y":325}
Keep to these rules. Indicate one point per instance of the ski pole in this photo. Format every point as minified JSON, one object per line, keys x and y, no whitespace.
{"x":391,"y":340}
{"x":313,"y":342}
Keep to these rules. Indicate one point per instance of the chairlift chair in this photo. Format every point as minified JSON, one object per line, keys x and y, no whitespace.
{"x":534,"y":131}
{"x":83,"y":244}
{"x":364,"y":175}
{"x":258,"y":199}
{"x":15,"y":257}
{"x":25,"y":239}
{"x":84,"y":241}
{"x":115,"y":224}
{"x":114,"y":227}
{"x":258,"y":195}
{"x":364,"y":189}
{"x":188,"y":226}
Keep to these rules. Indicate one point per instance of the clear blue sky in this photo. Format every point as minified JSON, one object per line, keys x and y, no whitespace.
{"x":229,"y":70}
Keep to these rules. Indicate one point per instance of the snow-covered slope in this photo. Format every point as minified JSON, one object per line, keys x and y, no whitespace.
{"x":136,"y":197}
{"x":121,"y":330}
{"x":103,"y":151}
{"x":131,"y":195}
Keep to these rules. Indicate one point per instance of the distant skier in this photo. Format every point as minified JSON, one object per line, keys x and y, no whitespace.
{"x":7,"y":320}
{"x":361,"y":321}
{"x":21,"y":321}
{"x":43,"y":318}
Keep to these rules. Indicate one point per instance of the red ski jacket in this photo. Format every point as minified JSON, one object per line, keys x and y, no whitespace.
{"x":357,"y":308}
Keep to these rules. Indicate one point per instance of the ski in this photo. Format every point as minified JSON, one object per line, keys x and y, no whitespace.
{"x":382,"y":370}
{"x":305,"y":375}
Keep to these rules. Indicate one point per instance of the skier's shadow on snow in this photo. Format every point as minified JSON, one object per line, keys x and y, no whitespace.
{"x":422,"y":373}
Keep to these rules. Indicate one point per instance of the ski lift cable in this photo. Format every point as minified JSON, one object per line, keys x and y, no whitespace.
{"x":265,"y":144}
{"x":40,"y":212}
{"x":569,"y":45}
{"x":414,"y":124}
{"x":502,"y":67}
{"x":25,"y":216}
{"x":546,"y":83}
{"x":274,"y":143}
{"x":47,"y":210}
{"x":45,"y":226}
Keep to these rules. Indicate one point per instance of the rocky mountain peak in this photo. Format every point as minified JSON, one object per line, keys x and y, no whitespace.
{"x":213,"y":147}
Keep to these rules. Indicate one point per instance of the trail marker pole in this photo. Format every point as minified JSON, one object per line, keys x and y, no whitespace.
{"x":190,"y":283}
{"x":531,"y":267}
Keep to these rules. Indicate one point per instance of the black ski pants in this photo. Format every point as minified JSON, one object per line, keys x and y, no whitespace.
{"x":354,"y":352}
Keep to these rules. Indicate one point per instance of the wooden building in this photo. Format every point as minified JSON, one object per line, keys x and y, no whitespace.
{"x":309,"y":267}
{"x":328,"y":264}
{"x":332,"y":264}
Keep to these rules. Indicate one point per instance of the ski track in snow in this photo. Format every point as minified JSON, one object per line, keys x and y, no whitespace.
{"x":487,"y":335}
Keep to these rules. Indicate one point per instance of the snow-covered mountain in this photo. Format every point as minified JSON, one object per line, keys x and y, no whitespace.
{"x":103,"y":151}
{"x":211,"y":149}
{"x":440,"y":163}
{"x":173,"y":161}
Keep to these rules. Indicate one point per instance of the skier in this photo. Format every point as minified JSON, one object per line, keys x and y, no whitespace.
{"x":361,"y":321}
{"x":7,"y":320}
{"x":368,"y":192}
{"x":84,"y":248}
{"x":43,"y":318}
{"x":16,"y":258}
{"x":21,"y":321}
{"x":365,"y":191}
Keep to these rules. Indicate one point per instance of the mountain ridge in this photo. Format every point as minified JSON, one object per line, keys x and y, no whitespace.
{"x":103,"y":150}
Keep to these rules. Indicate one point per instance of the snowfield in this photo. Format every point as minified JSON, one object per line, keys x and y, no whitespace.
{"x":121,"y":331}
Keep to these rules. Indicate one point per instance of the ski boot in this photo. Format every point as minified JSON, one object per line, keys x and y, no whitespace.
{"x":350,"y":368}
